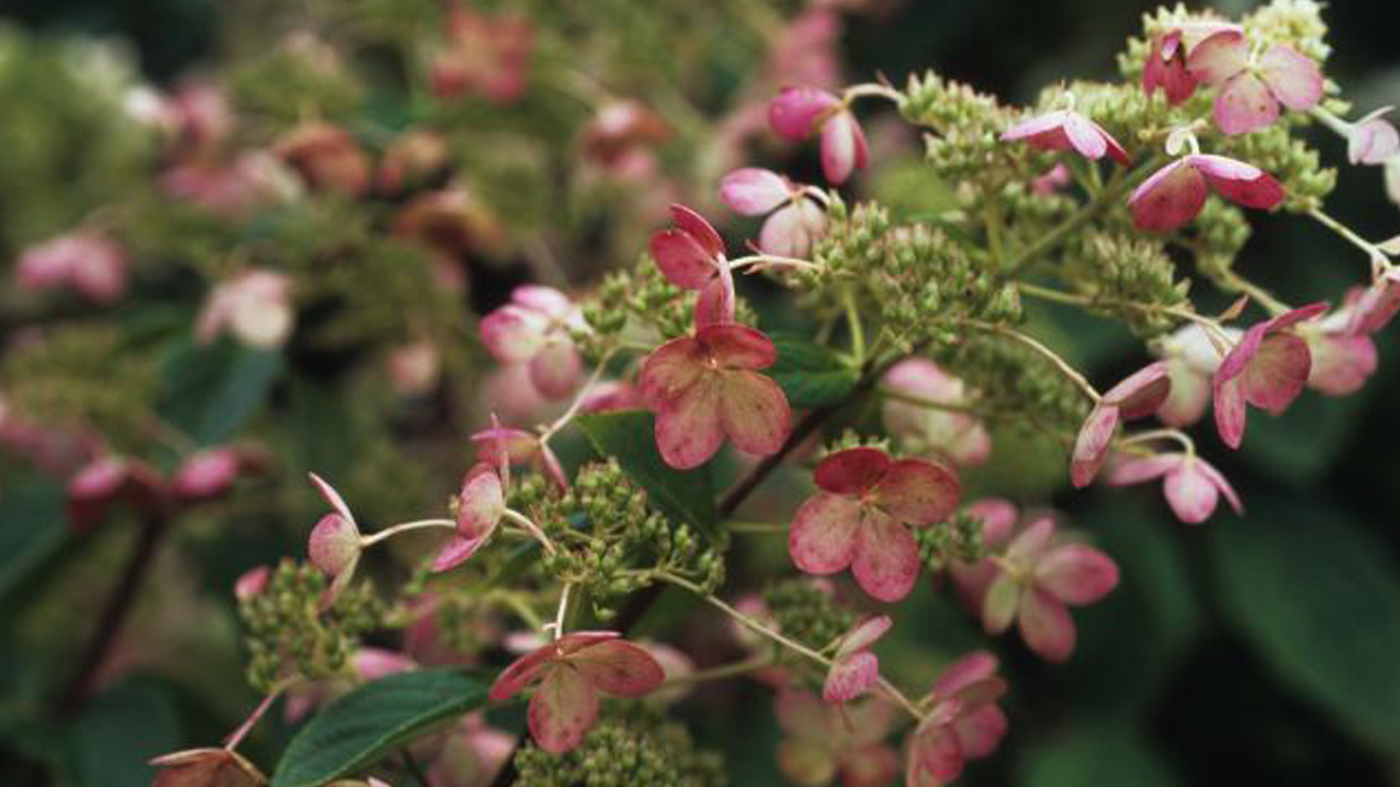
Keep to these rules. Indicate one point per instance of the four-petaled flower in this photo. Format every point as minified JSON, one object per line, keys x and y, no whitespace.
{"x":1191,"y":484}
{"x":537,"y":328}
{"x":855,"y":670}
{"x":1038,"y":577}
{"x":1267,"y":368}
{"x":963,"y":721}
{"x":571,"y":671}
{"x":1166,"y":61}
{"x":794,"y":220}
{"x":691,"y":256}
{"x":706,"y":387}
{"x":861,"y":515}
{"x":1139,"y":395}
{"x":796,"y":112}
{"x":481,"y":504}
{"x":1372,"y":139}
{"x":1066,"y":129}
{"x":1176,"y":193}
{"x":821,"y":741}
{"x":1250,"y":92}
{"x":1341,"y":359}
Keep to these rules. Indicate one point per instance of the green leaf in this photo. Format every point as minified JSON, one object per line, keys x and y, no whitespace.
{"x":1320,"y":601}
{"x":216,"y":389}
{"x":810,"y":374}
{"x":32,"y":530}
{"x":683,"y":496}
{"x":365,"y":725}
{"x":1091,"y":754}
{"x":123,"y":729}
{"x":1329,"y":423}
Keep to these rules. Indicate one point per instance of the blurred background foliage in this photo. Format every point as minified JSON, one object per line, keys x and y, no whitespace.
{"x":1263,"y":649}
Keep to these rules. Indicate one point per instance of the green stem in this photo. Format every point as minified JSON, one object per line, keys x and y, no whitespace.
{"x":722,"y":671}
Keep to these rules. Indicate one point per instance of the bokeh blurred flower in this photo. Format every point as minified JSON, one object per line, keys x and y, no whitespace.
{"x":254,"y":306}
{"x":798,"y":112}
{"x":85,"y":262}
{"x":537,"y":328}
{"x":794,"y":220}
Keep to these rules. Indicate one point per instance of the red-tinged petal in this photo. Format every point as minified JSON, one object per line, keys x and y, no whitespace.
{"x":1341,"y":364}
{"x":1230,"y":411}
{"x":206,"y":768}
{"x":1245,"y":104}
{"x":457,"y":551}
{"x":339,"y":583}
{"x":375,"y":663}
{"x":1141,"y":393}
{"x":689,"y":429}
{"x":513,"y":334}
{"x":546,"y":300}
{"x":1215,"y":477}
{"x":1293,"y":77}
{"x":998,"y":520}
{"x":1140,"y":469}
{"x":697,"y":227}
{"x":522,"y":672}
{"x":1240,"y":182}
{"x":754,"y":412}
{"x":563,"y":709}
{"x":976,"y":666}
{"x":1045,"y":132}
{"x":1372,"y":140}
{"x":1171,"y":197}
{"x":555,"y":370}
{"x":1000,"y":603}
{"x":1091,"y":445}
{"x":918,"y":492}
{"x":801,"y":714}
{"x":1218,"y":57}
{"x":1377,"y":306}
{"x":1087,"y":139}
{"x":334,"y":544}
{"x":980,"y":731}
{"x":864,"y":636}
{"x":806,"y":763}
{"x":579,"y":640}
{"x":1045,"y":626}
{"x":851,"y":677}
{"x":619,"y":668}
{"x":332,"y":497}
{"x":852,"y":471}
{"x":843,"y":147}
{"x":938,"y":751}
{"x":481,"y":503}
{"x":1190,"y":494}
{"x":738,"y":346}
{"x":752,"y":191}
{"x":791,"y":230}
{"x":206,"y":474}
{"x":1115,"y":150}
{"x":1277,"y":372}
{"x":1032,"y":542}
{"x":671,"y":371}
{"x":822,"y":539}
{"x":886,"y":563}
{"x":715,"y":304}
{"x":682,"y":260}
{"x":794,"y":111}
{"x":874,"y":765}
{"x":1076,"y":574}
{"x":1189,"y":396}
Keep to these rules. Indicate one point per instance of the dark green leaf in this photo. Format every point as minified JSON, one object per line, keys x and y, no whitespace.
{"x":1319,"y":600}
{"x":683,"y":496}
{"x":811,"y":375}
{"x":215,"y":390}
{"x":1091,"y":755}
{"x":1273,"y":444}
{"x":32,"y":529}
{"x":123,"y":729}
{"x":365,"y":725}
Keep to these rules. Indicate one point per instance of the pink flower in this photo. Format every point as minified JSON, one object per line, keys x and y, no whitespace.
{"x":1372,"y":139}
{"x":1267,"y":368}
{"x":963,"y":722}
{"x":327,"y":157}
{"x":486,"y":54}
{"x":231,"y":190}
{"x":796,"y":112}
{"x":251,"y":582}
{"x":1191,"y":360}
{"x":335,"y":542}
{"x":1175,"y":194}
{"x":1376,"y":306}
{"x":537,"y":328}
{"x":971,"y":580}
{"x":254,"y":306}
{"x":620,"y":131}
{"x":109,"y":481}
{"x":505,"y":447}
{"x":571,"y":671}
{"x":1067,"y":130}
{"x":1166,"y":62}
{"x":414,"y":368}
{"x":1135,"y":397}
{"x":1191,"y":484}
{"x":692,"y":258}
{"x":206,"y":768}
{"x":1038,"y":579}
{"x":84,"y":261}
{"x":207,"y":474}
{"x":959,"y":437}
{"x":1341,"y":360}
{"x":472,"y":754}
{"x":821,"y":741}
{"x":794,"y":220}
{"x":854,"y":669}
{"x":610,"y":396}
{"x":706,"y":388}
{"x":480,"y":506}
{"x":861,"y":515}
{"x":1052,"y":181}
{"x":1250,"y":91}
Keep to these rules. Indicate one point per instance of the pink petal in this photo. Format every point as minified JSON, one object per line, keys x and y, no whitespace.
{"x":1091,"y":445}
{"x":683,"y":261}
{"x":1240,"y":182}
{"x":1293,"y":77}
{"x":548,"y":301}
{"x":1000,"y":603}
{"x":822,"y":539}
{"x":334,"y":544}
{"x":754,"y":412}
{"x":670,"y":371}
{"x":1045,"y":132}
{"x":851,"y":677}
{"x":738,"y":346}
{"x":1169,"y":198}
{"x":1189,"y":396}
{"x":1115,"y":150}
{"x":522,"y":672}
{"x":1046,"y":626}
{"x":790,"y":231}
{"x":1140,"y":469}
{"x":481,"y":503}
{"x":806,"y":762}
{"x":980,"y":731}
{"x":695,"y":225}
{"x":874,"y":765}
{"x":332,"y":497}
{"x":207,"y":474}
{"x":1076,"y":574}
{"x":801,"y":714}
{"x":1376,"y":306}
{"x":1277,"y":373}
{"x":715,"y":305}
{"x":1190,"y":493}
{"x":556,"y":369}
{"x":1341,"y":364}
{"x":753,"y":192}
{"x":1084,"y":136}
{"x":919,"y":492}
{"x":513,"y":334}
{"x":853,"y":471}
{"x":864,"y":635}
{"x":1372,"y":140}
{"x":619,"y":668}
{"x":689,"y":429}
{"x":457,"y":551}
{"x":1141,"y":393}
{"x":998,"y":520}
{"x":1219,"y":57}
{"x":1230,"y":411}
{"x":886,"y":562}
{"x":937,"y":750}
{"x":562,"y":710}
{"x":843,"y":147}
{"x":794,"y":110}
{"x":976,"y":666}
{"x":1215,"y":477}
{"x":1032,"y":542}
{"x":1245,"y":104}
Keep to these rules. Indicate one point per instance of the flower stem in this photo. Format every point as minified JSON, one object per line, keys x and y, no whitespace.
{"x":563,"y":420}
{"x":853,"y":320}
{"x":236,"y":737}
{"x":1349,"y":235}
{"x":375,"y":538}
{"x":722,"y":671}
{"x":1047,"y":353}
{"x":530,"y":527}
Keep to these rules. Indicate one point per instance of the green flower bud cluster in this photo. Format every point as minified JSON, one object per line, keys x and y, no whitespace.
{"x":959,"y":540}
{"x":1293,"y":23}
{"x":853,"y":439}
{"x":640,"y":749}
{"x":807,"y":611}
{"x":1016,"y":382}
{"x":1221,"y":230}
{"x":944,"y":105}
{"x":1288,"y":159}
{"x":1124,"y":274}
{"x":285,"y":633}
{"x":639,"y":298}
{"x":1122,"y":108}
